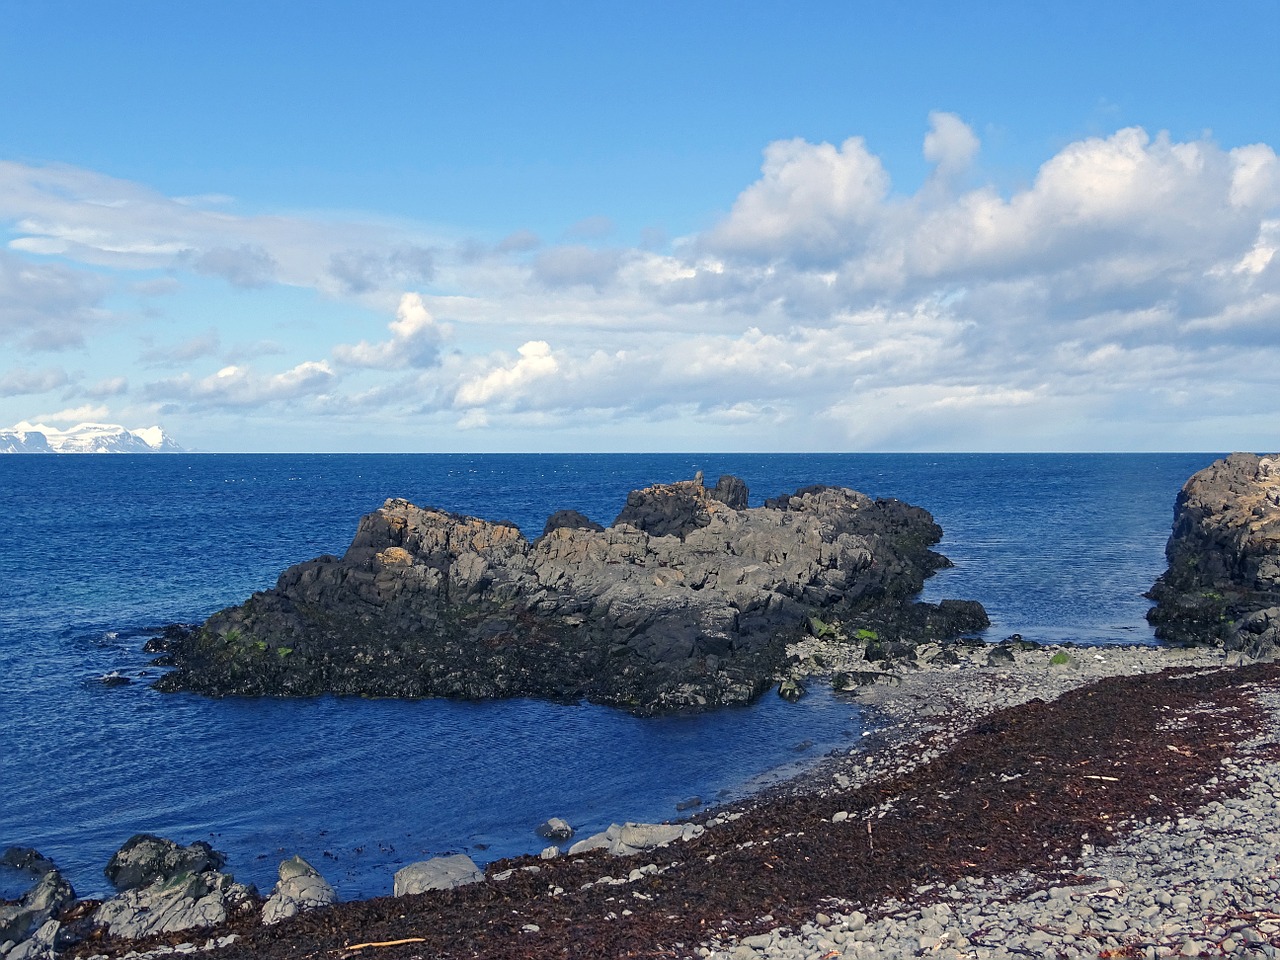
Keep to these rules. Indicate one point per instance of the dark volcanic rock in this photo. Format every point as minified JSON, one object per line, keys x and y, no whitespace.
{"x":686,"y":602}
{"x":1223,"y":581}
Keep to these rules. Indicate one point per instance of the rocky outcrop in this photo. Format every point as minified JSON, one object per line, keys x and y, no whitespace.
{"x":1223,"y":581}
{"x":685,"y":602}
{"x":182,"y":902}
{"x":167,"y":887}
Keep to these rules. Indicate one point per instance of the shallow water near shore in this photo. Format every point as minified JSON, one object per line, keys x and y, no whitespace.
{"x":97,"y":550}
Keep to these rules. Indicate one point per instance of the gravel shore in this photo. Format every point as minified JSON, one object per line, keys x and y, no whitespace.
{"x":1203,"y":884}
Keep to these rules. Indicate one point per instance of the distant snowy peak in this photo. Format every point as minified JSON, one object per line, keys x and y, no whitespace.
{"x":24,"y":441}
{"x":85,"y":438}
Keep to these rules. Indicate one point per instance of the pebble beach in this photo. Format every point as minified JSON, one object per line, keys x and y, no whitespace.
{"x":1203,"y":884}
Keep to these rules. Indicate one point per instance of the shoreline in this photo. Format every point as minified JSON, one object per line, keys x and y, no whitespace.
{"x":955,"y":700}
{"x":1203,"y":880}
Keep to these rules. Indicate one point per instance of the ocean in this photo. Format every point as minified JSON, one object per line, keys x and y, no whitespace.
{"x":99,"y":551}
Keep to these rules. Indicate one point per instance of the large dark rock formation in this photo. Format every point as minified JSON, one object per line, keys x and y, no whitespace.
{"x":685,"y":602}
{"x":1223,"y":581}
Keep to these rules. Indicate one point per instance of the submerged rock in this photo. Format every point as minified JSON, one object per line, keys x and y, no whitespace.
{"x":28,"y":859}
{"x":685,"y":603}
{"x":557,"y":828}
{"x":1223,"y":581}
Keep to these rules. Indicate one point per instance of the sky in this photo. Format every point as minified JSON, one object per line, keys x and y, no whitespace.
{"x":714,"y":226}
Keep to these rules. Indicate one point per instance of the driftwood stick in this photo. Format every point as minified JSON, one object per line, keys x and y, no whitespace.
{"x":385,"y":943}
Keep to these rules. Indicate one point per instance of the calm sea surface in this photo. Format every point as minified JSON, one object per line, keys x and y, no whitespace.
{"x":95,"y":551}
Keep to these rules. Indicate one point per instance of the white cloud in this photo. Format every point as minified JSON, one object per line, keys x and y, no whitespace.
{"x":1132,"y":278}
{"x":110,"y":387}
{"x":950,"y":145}
{"x":415,"y":340}
{"x":93,"y":219}
{"x":814,"y":203}
{"x":947,"y":317}
{"x":243,"y":387}
{"x":88,"y":413}
{"x":510,"y":381}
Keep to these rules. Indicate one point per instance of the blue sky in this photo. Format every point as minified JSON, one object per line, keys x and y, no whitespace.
{"x":695,"y":226}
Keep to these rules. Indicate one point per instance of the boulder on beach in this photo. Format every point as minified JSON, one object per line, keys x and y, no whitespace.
{"x":438,"y":873}
{"x":625,"y":839}
{"x":686,"y":602}
{"x":1222,"y":585}
{"x":299,"y":888}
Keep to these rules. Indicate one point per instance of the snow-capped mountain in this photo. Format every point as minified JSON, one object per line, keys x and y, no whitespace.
{"x":85,"y":438}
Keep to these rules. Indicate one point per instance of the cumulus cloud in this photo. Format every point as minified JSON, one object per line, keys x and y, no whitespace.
{"x":511,"y":381}
{"x":950,"y":145}
{"x":415,"y":340}
{"x":813,"y":203}
{"x":1131,"y":267}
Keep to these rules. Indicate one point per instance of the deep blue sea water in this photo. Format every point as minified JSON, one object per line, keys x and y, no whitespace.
{"x":95,"y":551}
